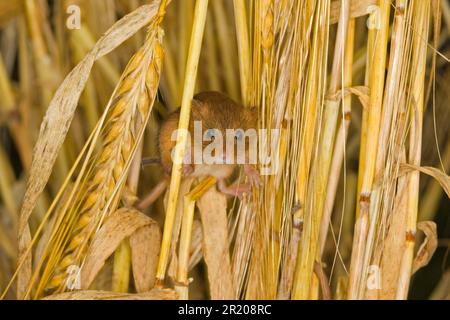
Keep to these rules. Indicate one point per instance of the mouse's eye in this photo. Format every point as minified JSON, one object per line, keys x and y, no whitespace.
{"x":210,"y":134}
{"x":239,"y":135}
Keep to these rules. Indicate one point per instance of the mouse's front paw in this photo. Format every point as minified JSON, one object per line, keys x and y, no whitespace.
{"x":187,"y":170}
{"x":253,"y":176}
{"x":237,"y":190}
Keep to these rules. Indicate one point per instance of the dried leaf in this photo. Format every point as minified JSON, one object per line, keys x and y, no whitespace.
{"x":155,"y":294}
{"x":441,"y":177}
{"x":120,"y":225}
{"x":213,"y":212}
{"x":145,"y":244}
{"x":361,"y":92}
{"x":393,"y":245}
{"x":428,"y":246}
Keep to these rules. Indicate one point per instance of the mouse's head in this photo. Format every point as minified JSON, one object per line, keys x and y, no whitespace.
{"x":229,"y":129}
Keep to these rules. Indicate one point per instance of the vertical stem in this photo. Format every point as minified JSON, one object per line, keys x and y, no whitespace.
{"x":213,"y":75}
{"x":240,"y":15}
{"x":310,"y":240}
{"x":313,"y":98}
{"x":376,"y":97}
{"x":422,"y":12}
{"x":188,"y":92}
{"x":122,"y":266}
{"x":341,"y":139}
{"x":226,"y":53}
{"x":377,"y":79}
{"x":186,"y":235}
{"x":365,"y":113}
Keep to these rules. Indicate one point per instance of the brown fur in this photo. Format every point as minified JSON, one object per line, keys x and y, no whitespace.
{"x":216,"y":111}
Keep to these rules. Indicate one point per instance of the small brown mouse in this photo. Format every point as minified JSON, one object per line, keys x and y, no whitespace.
{"x":216,"y":113}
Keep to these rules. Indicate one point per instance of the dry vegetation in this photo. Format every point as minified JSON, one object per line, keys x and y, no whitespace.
{"x":357,"y":208}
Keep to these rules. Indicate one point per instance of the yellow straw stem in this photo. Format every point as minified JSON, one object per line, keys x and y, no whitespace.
{"x":186,"y":234}
{"x":416,"y":102}
{"x":377,"y":80}
{"x":240,"y":16}
{"x":188,"y":93}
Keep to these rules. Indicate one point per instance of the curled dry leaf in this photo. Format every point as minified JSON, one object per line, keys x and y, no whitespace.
{"x":155,"y":294}
{"x":213,"y":212}
{"x":120,"y":225}
{"x":361,"y":92}
{"x":145,"y":244}
{"x":58,"y":118}
{"x":428,"y":246}
{"x":441,"y":177}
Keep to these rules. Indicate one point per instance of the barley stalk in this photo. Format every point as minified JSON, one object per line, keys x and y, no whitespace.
{"x":417,"y":101}
{"x":313,"y":219}
{"x":305,"y":110}
{"x":341,"y":138}
{"x":240,"y":13}
{"x":225,"y":48}
{"x":186,"y":235}
{"x":188,"y":93}
{"x":377,"y":75}
{"x":124,"y":122}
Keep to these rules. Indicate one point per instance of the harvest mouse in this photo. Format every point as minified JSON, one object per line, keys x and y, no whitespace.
{"x":215,"y":113}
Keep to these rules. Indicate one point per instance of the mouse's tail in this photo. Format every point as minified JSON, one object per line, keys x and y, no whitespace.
{"x":154,"y":194}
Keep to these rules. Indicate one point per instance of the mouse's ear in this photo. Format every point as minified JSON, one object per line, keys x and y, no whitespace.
{"x":251,"y":114}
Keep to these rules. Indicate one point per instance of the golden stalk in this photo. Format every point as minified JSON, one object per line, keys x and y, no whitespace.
{"x":365,"y":113}
{"x":186,"y":235}
{"x":313,"y":217}
{"x":341,"y":139}
{"x":188,"y":93}
{"x":312,"y":98}
{"x":226,"y":47}
{"x":377,"y":75}
{"x":130,"y":104}
{"x":240,"y":14}
{"x":416,"y":102}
